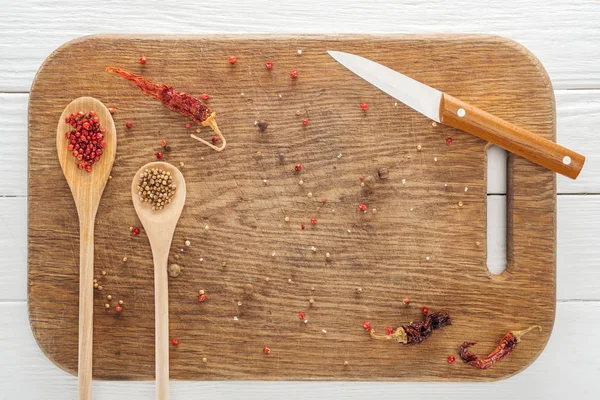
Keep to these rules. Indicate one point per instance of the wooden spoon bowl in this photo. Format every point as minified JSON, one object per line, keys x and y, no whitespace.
{"x":87,"y":188}
{"x":160,"y":226}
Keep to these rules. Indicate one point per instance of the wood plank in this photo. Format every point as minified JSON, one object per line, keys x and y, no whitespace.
{"x":423,"y":254}
{"x":13,"y":152}
{"x":563,"y":371}
{"x":562,"y":36}
{"x":577,"y":114}
{"x":577,"y":256}
{"x":578,"y":119}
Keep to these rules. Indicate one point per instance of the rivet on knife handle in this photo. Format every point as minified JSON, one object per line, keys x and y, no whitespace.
{"x":535,"y":148}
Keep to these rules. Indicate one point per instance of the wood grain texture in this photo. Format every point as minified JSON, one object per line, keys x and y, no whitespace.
{"x":563,"y":371}
{"x":563,"y":35}
{"x":385,"y":253}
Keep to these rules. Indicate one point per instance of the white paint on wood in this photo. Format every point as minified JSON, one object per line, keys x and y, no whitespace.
{"x":578,"y":119}
{"x":563,"y":35}
{"x":577,"y":262}
{"x":567,"y":369}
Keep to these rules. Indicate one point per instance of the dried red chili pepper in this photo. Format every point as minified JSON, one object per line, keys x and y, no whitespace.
{"x":504,"y":348}
{"x":180,"y":102}
{"x":416,"y":332}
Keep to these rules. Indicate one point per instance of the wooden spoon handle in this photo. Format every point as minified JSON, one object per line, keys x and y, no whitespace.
{"x":161,"y":318}
{"x":458,"y":114}
{"x":86,"y":306}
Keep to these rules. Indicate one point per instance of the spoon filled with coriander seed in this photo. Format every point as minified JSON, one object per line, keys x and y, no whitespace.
{"x":158,"y":193}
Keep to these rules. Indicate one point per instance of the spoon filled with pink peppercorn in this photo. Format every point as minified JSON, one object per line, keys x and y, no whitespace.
{"x":86,"y":142}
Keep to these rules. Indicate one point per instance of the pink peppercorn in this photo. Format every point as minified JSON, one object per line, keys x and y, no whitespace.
{"x":175,"y":342}
{"x":367,"y":325}
{"x":364,"y":106}
{"x":128,"y":124}
{"x":451,"y":359}
{"x":266,"y":350}
{"x":449,"y":141}
{"x":269,"y":65}
{"x":298,"y":167}
{"x":111,"y":110}
{"x":215,"y":139}
{"x":425,"y":310}
{"x":304,"y":122}
{"x":313,"y":221}
{"x":362,"y":207}
{"x":406,"y":301}
{"x":159,"y":155}
{"x":143,"y":60}
{"x":232,"y":60}
{"x":389,"y":330}
{"x":301,"y":315}
{"x":205,"y":96}
{"x":201,"y":298}
{"x":294,"y":74}
{"x":188,"y":125}
{"x":135,"y":231}
{"x":118,"y":309}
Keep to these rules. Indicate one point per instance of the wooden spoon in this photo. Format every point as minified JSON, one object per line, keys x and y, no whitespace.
{"x":160,"y":226}
{"x":87,"y":188}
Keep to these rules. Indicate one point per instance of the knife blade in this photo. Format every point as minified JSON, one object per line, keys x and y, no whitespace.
{"x":448,"y":110}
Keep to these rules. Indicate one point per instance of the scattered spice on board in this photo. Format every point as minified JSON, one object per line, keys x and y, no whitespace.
{"x":504,"y":348}
{"x":180,"y":102}
{"x":174,"y":270}
{"x":156,"y":187}
{"x":232,"y":60}
{"x":86,"y":139}
{"x":415,"y":332}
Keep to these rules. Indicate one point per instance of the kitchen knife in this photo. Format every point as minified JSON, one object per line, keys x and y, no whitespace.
{"x":448,"y":110}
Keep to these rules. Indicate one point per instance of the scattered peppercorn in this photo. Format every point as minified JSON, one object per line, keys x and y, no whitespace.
{"x":451,"y":359}
{"x":294,"y":74}
{"x":302,"y":226}
{"x":188,"y":125}
{"x":425,"y":310}
{"x":313,"y":221}
{"x":156,"y":187}
{"x":232,"y":60}
{"x":175,"y":342}
{"x":301,"y":315}
{"x":367,"y":325}
{"x":174,"y":270}
{"x":364,"y":106}
{"x":298,"y":167}
{"x":215,"y":139}
{"x":143,"y":60}
{"x":449,"y":141}
{"x":262,"y":125}
{"x":159,"y":155}
{"x":266,"y":350}
{"x":111,"y":110}
{"x":128,"y":124}
{"x":205,"y":96}
{"x":135,"y":231}
{"x":201,"y":298}
{"x":118,"y":309}
{"x":389,"y":330}
{"x":406,"y":301}
{"x":304,"y":122}
{"x":107,"y":305}
{"x":269,"y":65}
{"x":362,"y":207}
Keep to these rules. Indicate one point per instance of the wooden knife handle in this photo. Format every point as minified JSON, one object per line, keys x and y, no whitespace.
{"x":460,"y":115}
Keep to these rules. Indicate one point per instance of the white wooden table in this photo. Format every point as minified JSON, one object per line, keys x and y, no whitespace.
{"x":564,"y":35}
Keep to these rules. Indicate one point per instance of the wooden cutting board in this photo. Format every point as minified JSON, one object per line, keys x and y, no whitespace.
{"x":420,"y":244}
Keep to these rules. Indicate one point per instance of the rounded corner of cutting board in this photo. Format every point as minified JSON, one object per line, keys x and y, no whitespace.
{"x":50,"y":355}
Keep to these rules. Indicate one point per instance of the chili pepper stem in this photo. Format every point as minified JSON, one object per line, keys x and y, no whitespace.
{"x":210,"y":121}
{"x":399,"y":334}
{"x":519,"y":334}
